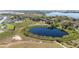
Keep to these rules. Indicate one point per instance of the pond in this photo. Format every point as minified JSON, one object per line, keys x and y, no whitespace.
{"x":72,"y":15}
{"x":48,"y":32}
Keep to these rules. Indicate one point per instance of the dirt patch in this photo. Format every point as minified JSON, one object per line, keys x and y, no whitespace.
{"x":16,"y":37}
{"x":31,"y":44}
{"x":18,"y":42}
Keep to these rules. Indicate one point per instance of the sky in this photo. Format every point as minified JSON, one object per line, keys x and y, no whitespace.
{"x":39,"y":4}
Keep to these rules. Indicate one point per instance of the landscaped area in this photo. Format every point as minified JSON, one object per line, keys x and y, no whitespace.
{"x":38,"y":31}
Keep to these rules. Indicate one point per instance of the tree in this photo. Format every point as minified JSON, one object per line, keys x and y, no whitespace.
{"x":67,"y":24}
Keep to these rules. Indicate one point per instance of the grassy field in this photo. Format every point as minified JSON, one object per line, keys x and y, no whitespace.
{"x":5,"y":37}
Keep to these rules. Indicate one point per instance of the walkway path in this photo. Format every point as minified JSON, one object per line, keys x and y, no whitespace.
{"x":60,"y":44}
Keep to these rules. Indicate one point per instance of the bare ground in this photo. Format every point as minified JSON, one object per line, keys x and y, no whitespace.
{"x":30,"y":43}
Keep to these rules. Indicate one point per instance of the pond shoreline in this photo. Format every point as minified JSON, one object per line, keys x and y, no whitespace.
{"x":54,"y":32}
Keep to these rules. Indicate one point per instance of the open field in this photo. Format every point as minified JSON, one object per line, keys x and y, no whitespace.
{"x":31,"y":43}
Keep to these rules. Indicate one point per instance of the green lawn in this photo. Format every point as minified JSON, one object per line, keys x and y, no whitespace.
{"x":10,"y":26}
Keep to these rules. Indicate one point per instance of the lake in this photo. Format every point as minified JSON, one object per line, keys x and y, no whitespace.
{"x":72,"y":15}
{"x":48,"y":32}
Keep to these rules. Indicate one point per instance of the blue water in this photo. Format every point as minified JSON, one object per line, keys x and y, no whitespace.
{"x":73,"y":15}
{"x":48,"y":32}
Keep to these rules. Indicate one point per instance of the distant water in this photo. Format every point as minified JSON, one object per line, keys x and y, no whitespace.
{"x":48,"y":32}
{"x":73,"y":15}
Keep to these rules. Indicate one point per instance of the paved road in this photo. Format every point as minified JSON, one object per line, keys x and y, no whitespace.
{"x":4,"y":18}
{"x":1,"y":21}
